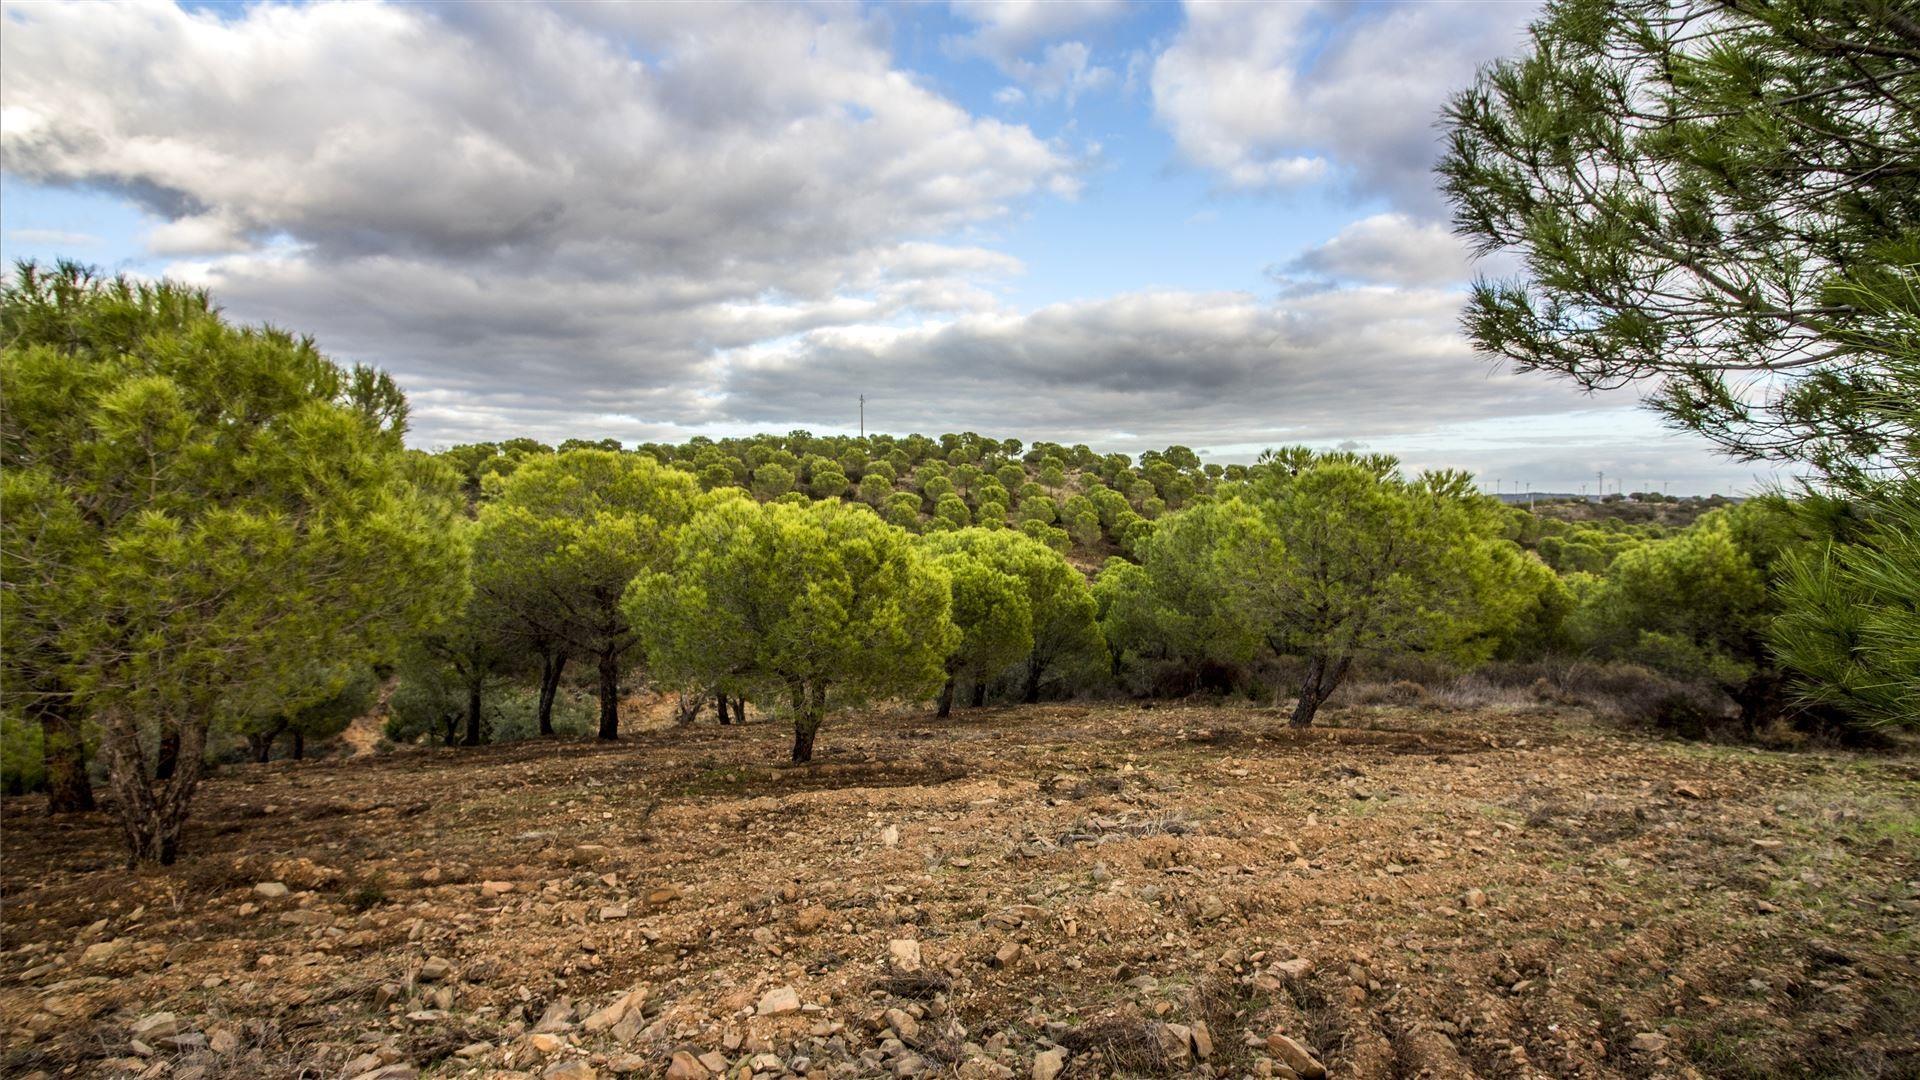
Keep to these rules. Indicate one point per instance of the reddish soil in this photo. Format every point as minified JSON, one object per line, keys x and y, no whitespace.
{"x":1402,"y":892}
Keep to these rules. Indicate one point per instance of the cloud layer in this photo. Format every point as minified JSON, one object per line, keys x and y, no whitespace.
{"x":1278,"y":95}
{"x":649,"y":221}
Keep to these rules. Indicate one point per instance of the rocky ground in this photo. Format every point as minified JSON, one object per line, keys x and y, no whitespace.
{"x":1050,"y":891}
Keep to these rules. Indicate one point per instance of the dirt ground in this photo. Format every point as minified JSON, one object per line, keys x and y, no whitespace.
{"x":1084,"y":890}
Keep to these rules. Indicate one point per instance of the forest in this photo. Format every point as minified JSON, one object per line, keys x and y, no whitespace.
{"x":959,"y":754}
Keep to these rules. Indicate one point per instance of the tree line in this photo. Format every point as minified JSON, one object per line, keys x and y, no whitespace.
{"x":211,"y":531}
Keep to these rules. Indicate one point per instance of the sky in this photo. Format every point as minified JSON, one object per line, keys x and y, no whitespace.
{"x":1117,"y":223}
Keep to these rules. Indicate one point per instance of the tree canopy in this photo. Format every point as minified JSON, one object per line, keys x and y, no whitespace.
{"x":808,"y":604}
{"x":193,"y":510}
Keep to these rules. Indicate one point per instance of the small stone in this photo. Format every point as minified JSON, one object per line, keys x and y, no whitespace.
{"x":1296,"y":1057}
{"x":1688,"y":791}
{"x":1006,"y":954}
{"x":1176,"y":1041}
{"x":778,"y":1001}
{"x":570,"y":1069}
{"x":365,"y":1063}
{"x":685,"y":1066}
{"x":399,"y":1070}
{"x":902,"y":1023}
{"x":496,"y":888}
{"x":272,"y":890}
{"x":1649,"y":1042}
{"x":904,"y":955}
{"x":664,"y":895}
{"x":473,"y":1049}
{"x":1202,"y":1040}
{"x":1766,"y":907}
{"x":102,"y":951}
{"x":613,"y":911}
{"x":890,"y":836}
{"x":156,"y":1026}
{"x":546,"y":1042}
{"x":1295,"y":969}
{"x":715,"y":1061}
{"x":222,"y":1041}
{"x":435,"y":969}
{"x":810,"y":919}
{"x":558,"y":1017}
{"x":1474,"y":898}
{"x":1048,"y":1063}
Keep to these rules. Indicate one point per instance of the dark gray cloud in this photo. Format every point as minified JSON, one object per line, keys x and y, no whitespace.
{"x":1201,"y":368}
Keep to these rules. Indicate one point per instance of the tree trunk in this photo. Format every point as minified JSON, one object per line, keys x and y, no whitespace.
{"x":1034,"y":670}
{"x":946,"y":699}
{"x":65,"y":753}
{"x":739,"y":710}
{"x":168,"y":758}
{"x":720,"y":706}
{"x":810,"y":709}
{"x":980,"y":694}
{"x":1317,"y":687}
{"x":152,"y":813}
{"x":299,"y":746}
{"x":473,"y":715}
{"x":450,"y":727}
{"x":610,"y":695}
{"x":551,"y":665}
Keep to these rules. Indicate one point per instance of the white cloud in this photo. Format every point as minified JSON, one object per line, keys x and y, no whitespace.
{"x":1276,"y":95}
{"x":1392,"y":249}
{"x":52,"y":238}
{"x":577,"y":203}
{"x":1007,"y":29}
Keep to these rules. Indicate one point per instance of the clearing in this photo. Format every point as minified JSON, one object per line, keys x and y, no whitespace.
{"x":1404,"y":891}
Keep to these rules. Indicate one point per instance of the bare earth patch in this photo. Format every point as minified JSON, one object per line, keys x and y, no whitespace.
{"x":1107,"y":890}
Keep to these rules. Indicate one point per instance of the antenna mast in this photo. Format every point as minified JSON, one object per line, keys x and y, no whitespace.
{"x":863,"y":416}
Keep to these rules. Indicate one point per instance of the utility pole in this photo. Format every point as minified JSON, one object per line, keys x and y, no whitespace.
{"x":863,"y":416}
{"x":1600,"y":483}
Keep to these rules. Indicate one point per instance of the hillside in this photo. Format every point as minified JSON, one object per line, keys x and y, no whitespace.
{"x":1081,"y":890}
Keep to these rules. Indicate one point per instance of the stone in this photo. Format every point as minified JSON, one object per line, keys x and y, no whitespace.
{"x":1202,"y":1040}
{"x":612,"y":1015}
{"x":664,"y":895}
{"x":102,"y":951}
{"x":715,"y":1061}
{"x":222,"y":1041}
{"x":904,"y":955}
{"x":778,"y":1001}
{"x":1176,"y":1041}
{"x":1006,"y":954}
{"x":496,"y":888}
{"x":570,"y":1069}
{"x":399,"y":1070}
{"x":902,"y":1023}
{"x":546,"y":1042}
{"x":1649,"y":1042}
{"x":305,"y":917}
{"x":272,"y":890}
{"x":156,"y":1026}
{"x":1048,"y":1063}
{"x":890,"y":836}
{"x":810,"y":918}
{"x":1296,"y":1057}
{"x":1293,"y":970}
{"x":435,"y":969}
{"x":587,"y":854}
{"x":558,"y":1017}
{"x":365,"y":1063}
{"x":1474,"y":898}
{"x":613,"y":911}
{"x":685,"y":1066}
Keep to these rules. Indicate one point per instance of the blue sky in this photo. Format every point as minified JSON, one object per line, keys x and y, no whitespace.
{"x":1115,"y":223}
